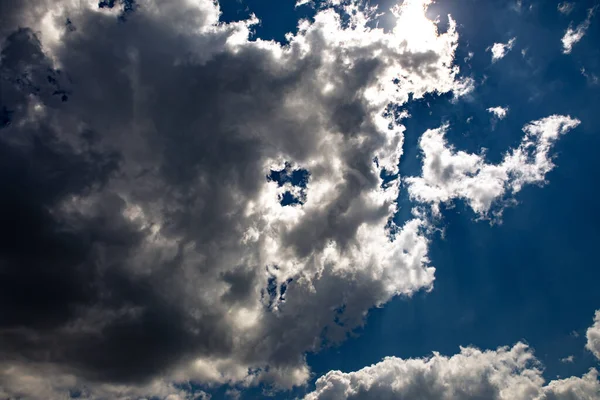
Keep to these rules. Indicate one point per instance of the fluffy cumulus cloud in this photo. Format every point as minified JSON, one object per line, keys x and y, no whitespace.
{"x":448,"y":174}
{"x":499,"y":50}
{"x":508,"y":373}
{"x":184,"y":205}
{"x":498,"y":112}
{"x":574,"y":35}
{"x":593,"y":336}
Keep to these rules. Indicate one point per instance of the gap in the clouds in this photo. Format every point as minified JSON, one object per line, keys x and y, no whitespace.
{"x":277,"y":18}
{"x":5,"y":116}
{"x":126,"y":7}
{"x":274,"y":292}
{"x":297,"y":178}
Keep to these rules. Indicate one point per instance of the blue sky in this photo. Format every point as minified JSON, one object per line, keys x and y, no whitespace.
{"x":201,"y":213}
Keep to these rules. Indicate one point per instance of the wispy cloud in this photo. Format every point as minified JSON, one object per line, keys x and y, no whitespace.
{"x":568,"y":360}
{"x":499,"y":112}
{"x":572,"y":36}
{"x":565,"y":7}
{"x":499,"y":50}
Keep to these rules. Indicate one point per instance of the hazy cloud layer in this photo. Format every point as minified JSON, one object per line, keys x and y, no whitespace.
{"x":498,"y":112}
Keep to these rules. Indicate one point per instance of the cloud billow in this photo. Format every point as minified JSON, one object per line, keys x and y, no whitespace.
{"x":505,"y":373}
{"x":143,"y":245}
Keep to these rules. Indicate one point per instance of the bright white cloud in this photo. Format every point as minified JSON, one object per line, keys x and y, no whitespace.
{"x":572,"y":36}
{"x":449,"y":174}
{"x":593,"y":336}
{"x":499,"y":50}
{"x":303,"y":2}
{"x":502,"y":374}
{"x":499,"y":112}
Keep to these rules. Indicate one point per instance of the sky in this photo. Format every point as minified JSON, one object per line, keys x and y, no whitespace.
{"x":331,"y":199}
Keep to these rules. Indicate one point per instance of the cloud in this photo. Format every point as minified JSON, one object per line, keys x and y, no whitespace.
{"x":565,"y":7}
{"x":573,"y":36}
{"x":593,"y":336}
{"x":499,"y":112}
{"x":506,"y":373}
{"x":142,"y":245}
{"x":303,"y":2}
{"x":568,"y":359}
{"x":499,"y":50}
{"x":448,"y":174}
{"x":591,"y":78}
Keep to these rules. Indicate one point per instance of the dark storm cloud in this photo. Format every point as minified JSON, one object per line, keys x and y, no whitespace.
{"x":54,"y":266}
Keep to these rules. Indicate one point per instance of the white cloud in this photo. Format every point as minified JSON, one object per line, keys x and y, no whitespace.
{"x":585,"y":388}
{"x":593,"y":336}
{"x":503,"y":374}
{"x":568,"y":359}
{"x":304,"y":2}
{"x":449,"y":174}
{"x":499,"y":50}
{"x":565,"y":7}
{"x":573,"y":36}
{"x":507,"y":373}
{"x":499,"y":112}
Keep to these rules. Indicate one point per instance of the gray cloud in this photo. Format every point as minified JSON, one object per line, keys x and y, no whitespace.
{"x":142,"y":244}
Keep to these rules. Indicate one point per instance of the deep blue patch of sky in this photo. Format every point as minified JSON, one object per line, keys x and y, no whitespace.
{"x":534,"y":277}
